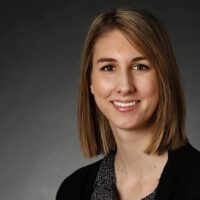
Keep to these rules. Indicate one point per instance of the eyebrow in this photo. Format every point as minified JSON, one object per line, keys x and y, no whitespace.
{"x":101,"y":60}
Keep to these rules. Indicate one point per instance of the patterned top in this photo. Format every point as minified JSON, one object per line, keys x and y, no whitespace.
{"x":105,"y":183}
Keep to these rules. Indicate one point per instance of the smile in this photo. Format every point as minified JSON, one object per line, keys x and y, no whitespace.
{"x":125,"y":106}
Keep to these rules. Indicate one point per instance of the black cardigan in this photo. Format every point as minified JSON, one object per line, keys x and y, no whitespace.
{"x":180,"y":179}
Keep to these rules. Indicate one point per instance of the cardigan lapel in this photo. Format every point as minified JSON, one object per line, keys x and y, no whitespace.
{"x":170,"y":175}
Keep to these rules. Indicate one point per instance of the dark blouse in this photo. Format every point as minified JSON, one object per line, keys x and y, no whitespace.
{"x":179,"y":179}
{"x":105,"y":183}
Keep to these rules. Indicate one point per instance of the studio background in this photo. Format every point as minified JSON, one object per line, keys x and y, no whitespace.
{"x":40,"y":52}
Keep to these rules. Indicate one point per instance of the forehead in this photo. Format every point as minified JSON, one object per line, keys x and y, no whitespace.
{"x":114,"y":43}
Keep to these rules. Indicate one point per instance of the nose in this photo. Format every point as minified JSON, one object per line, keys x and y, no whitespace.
{"x":125,"y":83}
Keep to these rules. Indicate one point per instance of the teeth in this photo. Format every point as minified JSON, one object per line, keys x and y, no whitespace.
{"x":117,"y":103}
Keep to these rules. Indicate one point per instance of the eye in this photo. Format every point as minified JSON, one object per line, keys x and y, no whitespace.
{"x":107,"y":68}
{"x":140,"y":67}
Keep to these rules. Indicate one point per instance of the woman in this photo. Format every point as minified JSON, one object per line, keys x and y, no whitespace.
{"x":132,"y":110}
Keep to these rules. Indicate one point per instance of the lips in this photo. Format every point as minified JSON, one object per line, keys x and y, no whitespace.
{"x":125,"y":106}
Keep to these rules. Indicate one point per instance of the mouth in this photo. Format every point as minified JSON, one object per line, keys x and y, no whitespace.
{"x":125,"y":105}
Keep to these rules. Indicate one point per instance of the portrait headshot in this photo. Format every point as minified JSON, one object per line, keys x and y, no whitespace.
{"x":100,"y":100}
{"x":132,"y":110}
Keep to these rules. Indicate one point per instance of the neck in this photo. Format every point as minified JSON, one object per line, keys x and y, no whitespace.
{"x":131,"y":160}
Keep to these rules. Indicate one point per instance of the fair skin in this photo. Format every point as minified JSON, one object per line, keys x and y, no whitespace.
{"x":125,"y":88}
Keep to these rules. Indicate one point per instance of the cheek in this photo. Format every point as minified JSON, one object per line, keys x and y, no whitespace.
{"x":149,"y":87}
{"x":101,"y":87}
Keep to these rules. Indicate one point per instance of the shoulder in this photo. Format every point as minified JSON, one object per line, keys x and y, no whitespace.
{"x":181,"y":175}
{"x":79,"y":183}
{"x":185,"y":165}
{"x":187,"y":155}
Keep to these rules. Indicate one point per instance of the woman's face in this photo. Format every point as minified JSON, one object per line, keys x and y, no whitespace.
{"x":123,"y":82}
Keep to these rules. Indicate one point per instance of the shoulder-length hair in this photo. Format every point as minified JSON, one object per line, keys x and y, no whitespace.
{"x":148,"y":35}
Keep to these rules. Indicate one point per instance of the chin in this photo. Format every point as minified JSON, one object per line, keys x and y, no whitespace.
{"x":126,"y":126}
{"x":130,"y":126}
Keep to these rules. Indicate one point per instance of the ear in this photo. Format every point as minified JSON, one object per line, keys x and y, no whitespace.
{"x":91,"y":88}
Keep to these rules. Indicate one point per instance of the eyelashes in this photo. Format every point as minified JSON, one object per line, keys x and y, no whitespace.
{"x":107,"y":68}
{"x":140,"y":67}
{"x":110,"y":67}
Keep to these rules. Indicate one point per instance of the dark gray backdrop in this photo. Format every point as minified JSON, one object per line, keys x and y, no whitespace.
{"x":40,"y":48}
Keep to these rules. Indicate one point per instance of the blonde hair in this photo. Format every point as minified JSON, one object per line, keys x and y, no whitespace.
{"x":149,"y":36}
